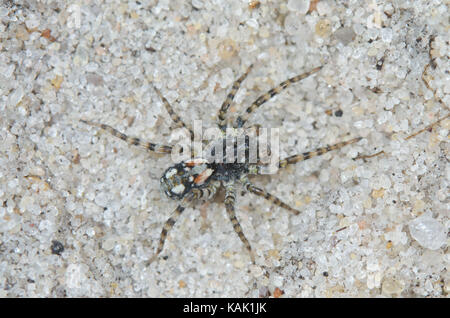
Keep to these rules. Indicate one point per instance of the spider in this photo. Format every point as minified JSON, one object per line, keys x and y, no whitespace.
{"x":199,"y":179}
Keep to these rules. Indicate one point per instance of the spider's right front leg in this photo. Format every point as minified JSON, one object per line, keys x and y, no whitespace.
{"x":131,"y":140}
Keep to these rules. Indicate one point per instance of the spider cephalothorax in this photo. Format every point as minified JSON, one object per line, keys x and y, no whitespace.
{"x":200,"y":178}
{"x":182,"y":178}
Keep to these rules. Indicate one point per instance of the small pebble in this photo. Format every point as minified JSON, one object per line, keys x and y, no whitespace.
{"x":428,"y":232}
{"x":392,"y":287}
{"x":377,"y":193}
{"x":277,"y":292}
{"x":57,"y":247}
{"x":345,"y":35}
{"x":323,"y":28}
{"x":300,"y":6}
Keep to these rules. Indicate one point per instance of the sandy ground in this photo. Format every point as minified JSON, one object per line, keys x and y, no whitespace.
{"x":81,"y":211}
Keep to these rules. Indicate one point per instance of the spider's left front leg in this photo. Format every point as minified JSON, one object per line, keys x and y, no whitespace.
{"x":230,"y":200}
{"x":198,"y":194}
{"x":166,"y":228}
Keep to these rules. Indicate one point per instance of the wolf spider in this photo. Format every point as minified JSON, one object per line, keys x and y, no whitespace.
{"x":199,"y":179}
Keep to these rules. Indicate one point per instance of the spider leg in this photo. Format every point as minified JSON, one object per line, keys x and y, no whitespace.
{"x":318,"y":152}
{"x":166,"y":228}
{"x":206,"y":193}
{"x":230,"y":199}
{"x":266,"y":195}
{"x":176,"y":119}
{"x":226,"y":104}
{"x":255,"y":169}
{"x":131,"y":140}
{"x":241,"y":120}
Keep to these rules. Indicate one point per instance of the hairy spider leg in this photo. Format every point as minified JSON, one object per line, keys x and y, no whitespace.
{"x":318,"y":152}
{"x":241,"y":120}
{"x":266,"y":195}
{"x":203,"y":193}
{"x":230,"y":200}
{"x":166,"y":228}
{"x":176,"y":119}
{"x":208,"y":192}
{"x":226,"y":104}
{"x":131,"y":140}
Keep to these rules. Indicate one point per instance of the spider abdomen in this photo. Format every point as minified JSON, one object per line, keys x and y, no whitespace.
{"x":229,"y":171}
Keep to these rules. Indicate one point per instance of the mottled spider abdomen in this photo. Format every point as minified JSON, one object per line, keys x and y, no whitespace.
{"x":182,"y":178}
